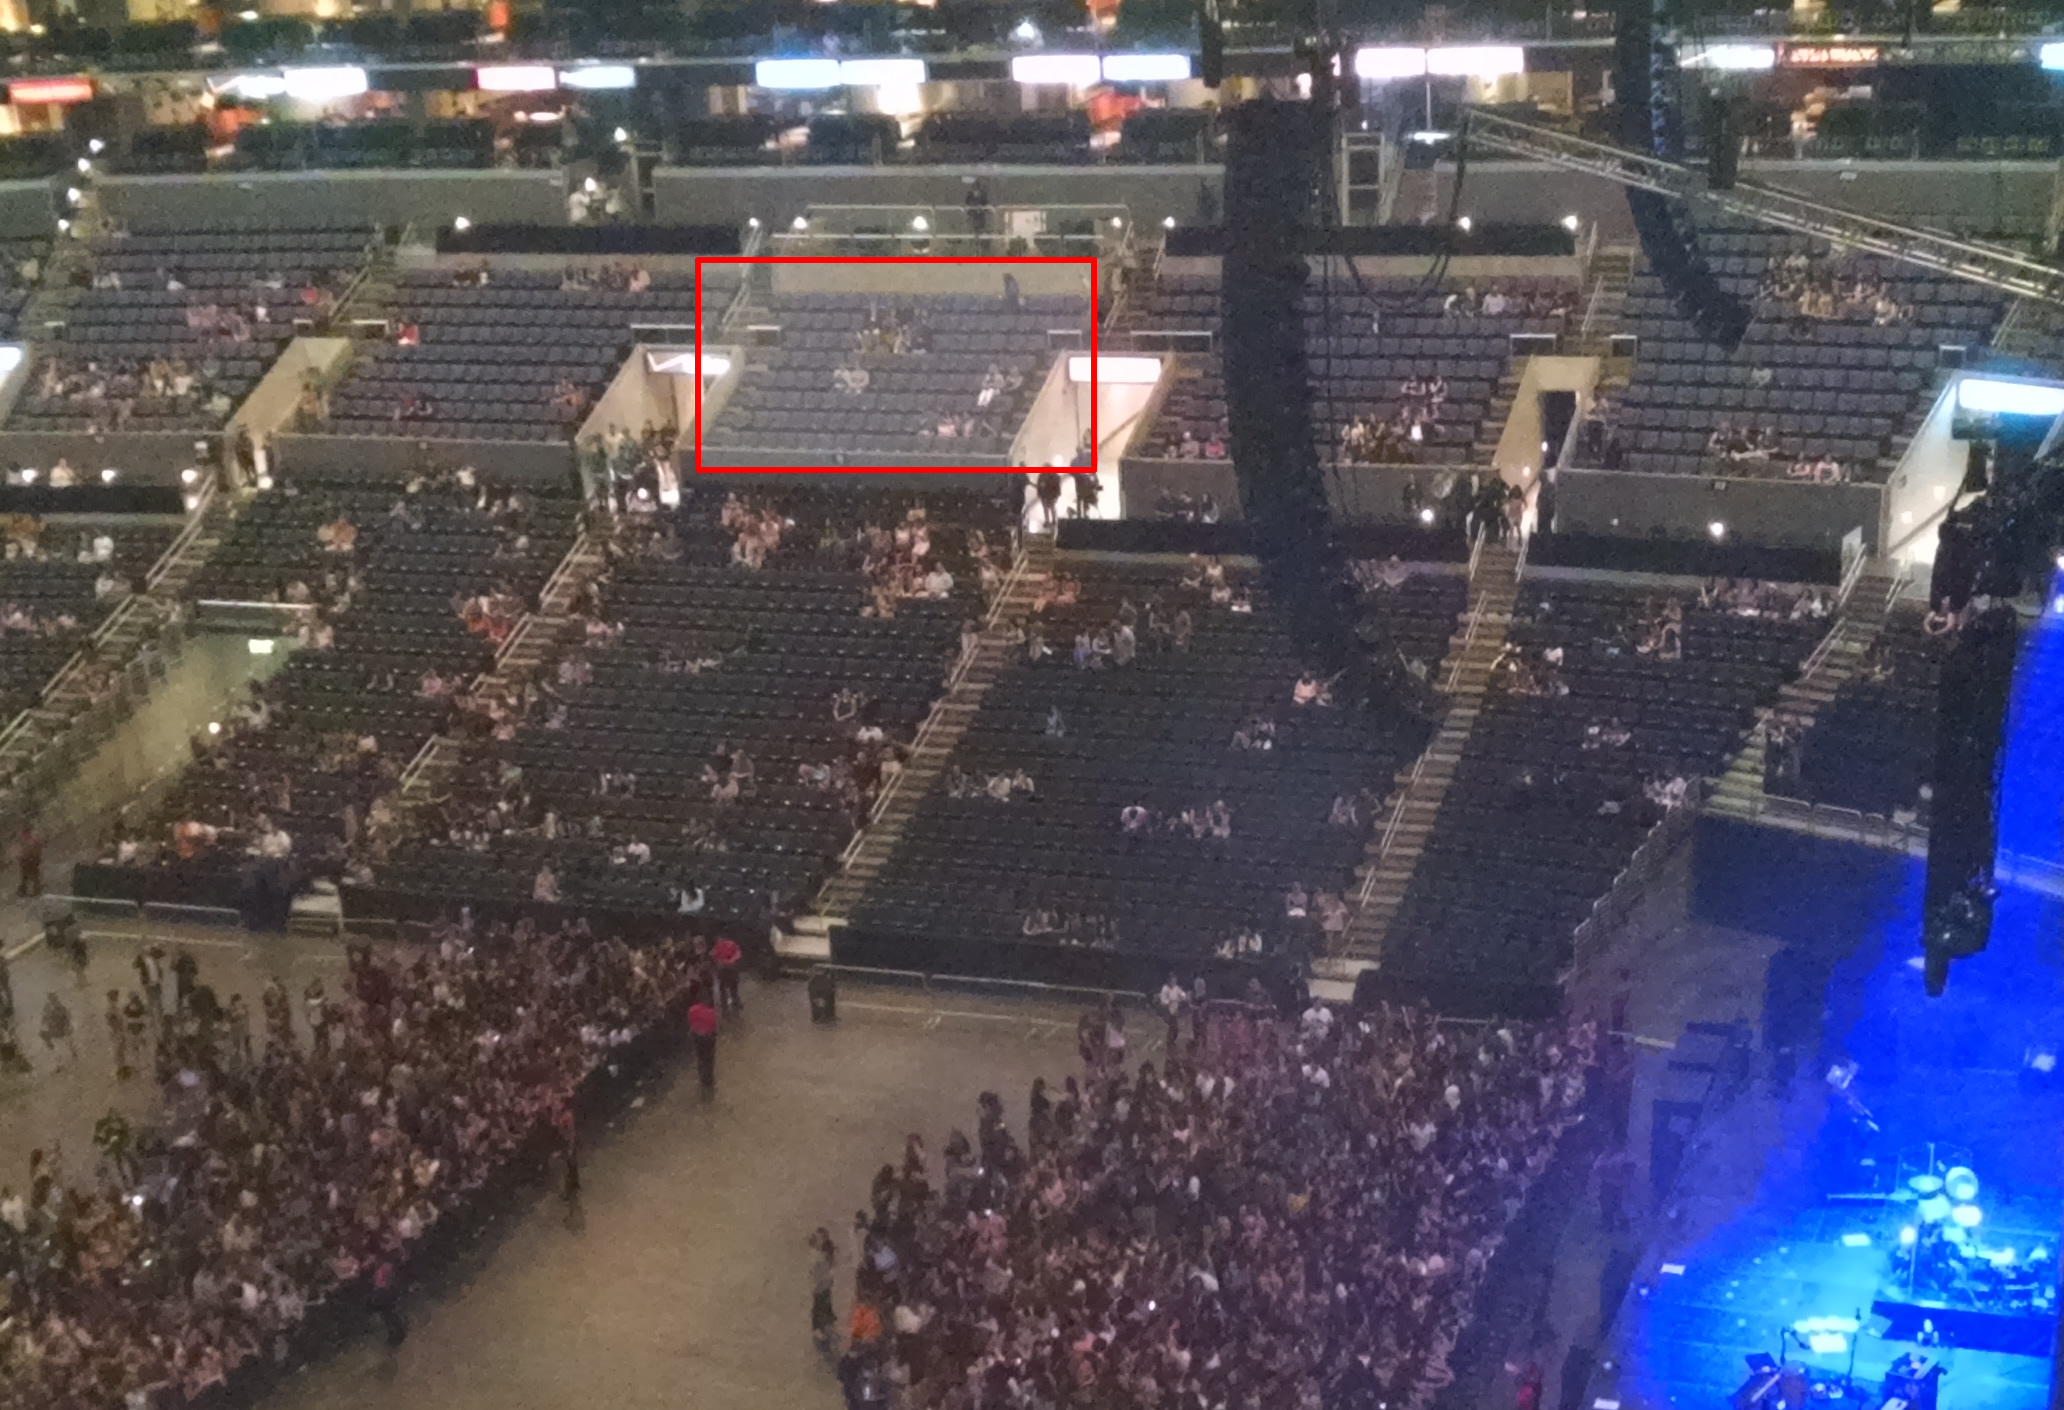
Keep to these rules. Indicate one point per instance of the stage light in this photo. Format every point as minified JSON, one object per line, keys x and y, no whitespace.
{"x":1717,"y":529}
{"x":1826,"y":1343}
{"x":1856,"y":1241}
{"x":1967,"y":1216}
{"x":1908,"y":1235}
{"x":1960,"y":1183}
{"x":1426,"y":516}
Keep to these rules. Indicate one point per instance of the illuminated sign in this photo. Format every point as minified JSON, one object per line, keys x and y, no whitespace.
{"x":796,"y":73}
{"x":1736,"y":58}
{"x":1477,"y":61}
{"x":1832,"y":56}
{"x":595,"y":76}
{"x":882,"y":73}
{"x":1146,"y":68}
{"x":325,"y":85}
{"x":50,"y":90}
{"x":515,"y":78}
{"x":1383,"y":62}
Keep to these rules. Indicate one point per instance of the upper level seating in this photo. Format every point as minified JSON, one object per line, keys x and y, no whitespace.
{"x":174,"y":330}
{"x":1873,"y":747}
{"x":417,"y":554}
{"x":1059,"y":867}
{"x":1845,"y":385}
{"x":1555,"y":790}
{"x":716,"y":661}
{"x":48,"y":599}
{"x":1365,"y":342}
{"x":519,"y":357}
{"x":972,"y":365}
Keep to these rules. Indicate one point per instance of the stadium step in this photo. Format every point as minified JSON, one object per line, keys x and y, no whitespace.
{"x":1393,"y":855}
{"x":938,"y":736}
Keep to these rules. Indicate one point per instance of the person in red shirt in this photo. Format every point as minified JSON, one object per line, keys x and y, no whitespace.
{"x":727,"y":955}
{"x":702,"y":1027}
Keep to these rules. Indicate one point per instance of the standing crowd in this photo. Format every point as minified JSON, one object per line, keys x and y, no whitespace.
{"x":1286,"y":1213}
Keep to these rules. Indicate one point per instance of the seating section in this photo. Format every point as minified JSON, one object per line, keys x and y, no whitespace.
{"x":49,"y":605}
{"x":520,"y":356}
{"x":1844,"y":382}
{"x":1569,"y":765}
{"x":1873,"y":748}
{"x":1375,"y":347}
{"x":1059,"y":867}
{"x":342,"y":719}
{"x":967,"y":374}
{"x":715,"y":661}
{"x":21,"y":265}
{"x":174,"y":330}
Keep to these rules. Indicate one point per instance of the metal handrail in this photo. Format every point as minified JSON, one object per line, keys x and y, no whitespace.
{"x":937,"y":713}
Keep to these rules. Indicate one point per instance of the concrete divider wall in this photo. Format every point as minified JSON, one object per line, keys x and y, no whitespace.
{"x":1617,"y":503}
{"x":539,"y":462}
{"x":732,"y":195}
{"x":339,"y":198}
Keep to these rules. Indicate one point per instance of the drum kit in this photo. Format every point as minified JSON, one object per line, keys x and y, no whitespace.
{"x":1943,"y":1256}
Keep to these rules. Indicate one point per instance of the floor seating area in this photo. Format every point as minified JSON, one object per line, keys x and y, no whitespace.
{"x":348,"y":710}
{"x":1374,"y":346}
{"x":1873,"y":749}
{"x":784,"y":668}
{"x":520,"y":356}
{"x":49,"y":598}
{"x":969,"y":372}
{"x":1175,"y":733}
{"x":169,"y":332}
{"x":1835,"y":372}
{"x":1587,"y":730}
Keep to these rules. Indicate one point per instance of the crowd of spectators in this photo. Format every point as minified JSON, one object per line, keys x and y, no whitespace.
{"x":1811,"y":286}
{"x":111,"y":390}
{"x":284,"y":1173}
{"x":1284,"y":1213}
{"x":1519,"y":301}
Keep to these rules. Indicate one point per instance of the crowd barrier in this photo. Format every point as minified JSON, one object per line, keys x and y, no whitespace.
{"x":105,"y":918}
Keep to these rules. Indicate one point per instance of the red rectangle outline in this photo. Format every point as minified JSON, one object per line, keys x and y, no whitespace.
{"x":1094,"y":288}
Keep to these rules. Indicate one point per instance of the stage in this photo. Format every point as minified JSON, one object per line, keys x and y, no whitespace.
{"x":1791,"y":1206}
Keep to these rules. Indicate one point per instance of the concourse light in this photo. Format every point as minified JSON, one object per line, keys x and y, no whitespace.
{"x":799,"y":224}
{"x":1168,"y":222}
{"x":85,"y":166}
{"x":1426,"y":516}
{"x":107,"y":475}
{"x":189,"y":475}
{"x":258,"y":645}
{"x":1025,"y":32}
{"x":1570,"y":223}
{"x":1384,"y":62}
{"x":1476,"y":61}
{"x":74,"y":195}
{"x":796,"y":74}
{"x":96,"y":146}
{"x":515,"y":78}
{"x":1075,"y":70}
{"x":214,"y":726}
{"x":1717,"y":529}
{"x":1735,"y":58}
{"x":461,"y":224}
{"x":620,"y":136}
{"x":920,"y":224}
{"x":882,"y":73}
{"x":599,"y":76}
{"x":1146,"y":68}
{"x":324,"y":85}
{"x":1466,"y":224}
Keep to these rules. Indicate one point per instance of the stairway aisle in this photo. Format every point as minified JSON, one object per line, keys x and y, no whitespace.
{"x":939,"y":736}
{"x":1392,"y":856}
{"x":1738,"y":793}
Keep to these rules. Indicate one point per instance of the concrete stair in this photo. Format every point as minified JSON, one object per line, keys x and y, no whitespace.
{"x":1738,"y":793}
{"x":936,"y":741}
{"x":44,"y":746}
{"x":534,"y":646}
{"x":1491,"y":429}
{"x":1386,"y":870}
{"x":1605,"y":298}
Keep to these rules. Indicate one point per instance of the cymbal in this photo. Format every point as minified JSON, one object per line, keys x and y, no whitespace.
{"x":1925,"y":1184}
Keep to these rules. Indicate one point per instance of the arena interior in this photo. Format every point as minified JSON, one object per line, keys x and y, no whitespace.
{"x":619,"y":622}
